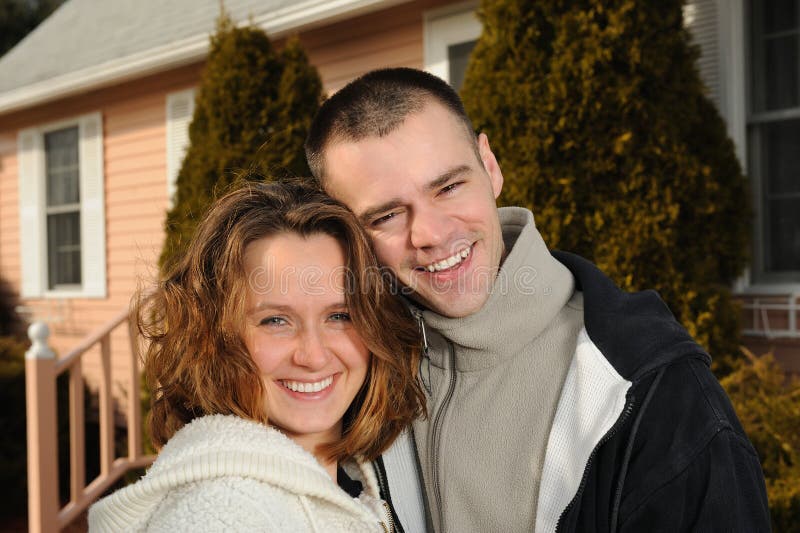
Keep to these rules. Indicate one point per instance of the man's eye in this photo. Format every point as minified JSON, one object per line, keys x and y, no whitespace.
{"x":273,"y":321}
{"x":383,"y":219}
{"x":451,"y":187}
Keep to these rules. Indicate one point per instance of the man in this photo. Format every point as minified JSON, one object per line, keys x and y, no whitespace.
{"x":555,"y":401}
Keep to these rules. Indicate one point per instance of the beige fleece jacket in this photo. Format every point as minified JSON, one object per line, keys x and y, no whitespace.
{"x":494,"y":380}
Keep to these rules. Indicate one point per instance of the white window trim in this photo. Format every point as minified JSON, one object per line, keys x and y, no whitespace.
{"x":178,"y":121}
{"x":733,"y":94}
{"x":446,"y":26}
{"x":33,"y":224}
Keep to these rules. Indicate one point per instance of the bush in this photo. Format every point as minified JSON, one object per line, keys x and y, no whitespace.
{"x":11,"y":324}
{"x":252,"y":114}
{"x":768,"y":404}
{"x":13,"y":445}
{"x":597,"y":114}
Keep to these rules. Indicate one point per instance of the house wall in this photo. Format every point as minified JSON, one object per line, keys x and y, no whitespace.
{"x":134,"y":126}
{"x":134,"y":120}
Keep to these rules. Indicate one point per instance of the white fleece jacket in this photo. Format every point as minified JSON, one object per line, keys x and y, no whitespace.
{"x":223,"y":473}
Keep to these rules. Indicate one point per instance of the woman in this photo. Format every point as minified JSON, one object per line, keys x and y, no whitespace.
{"x":280,"y":365}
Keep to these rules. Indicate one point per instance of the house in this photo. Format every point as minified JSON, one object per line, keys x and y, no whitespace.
{"x":95,"y":105}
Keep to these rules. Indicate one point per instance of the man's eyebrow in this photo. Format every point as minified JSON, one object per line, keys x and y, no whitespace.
{"x":437,"y":182}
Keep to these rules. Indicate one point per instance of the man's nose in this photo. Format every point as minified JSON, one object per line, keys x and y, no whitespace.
{"x":312,"y":351}
{"x":429,"y":228}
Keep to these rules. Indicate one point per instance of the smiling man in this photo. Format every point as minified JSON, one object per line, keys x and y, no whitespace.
{"x":555,"y":400}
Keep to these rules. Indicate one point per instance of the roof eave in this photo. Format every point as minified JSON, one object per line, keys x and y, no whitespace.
{"x":277,"y":24}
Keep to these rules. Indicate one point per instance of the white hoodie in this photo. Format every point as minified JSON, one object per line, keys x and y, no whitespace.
{"x":223,"y":473}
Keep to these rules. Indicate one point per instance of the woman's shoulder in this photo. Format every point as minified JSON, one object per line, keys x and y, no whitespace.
{"x":227,"y":504}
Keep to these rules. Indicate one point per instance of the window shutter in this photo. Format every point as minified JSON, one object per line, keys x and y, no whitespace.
{"x":93,"y":221}
{"x":180,"y":108}
{"x":701,"y":19}
{"x":32,"y":236}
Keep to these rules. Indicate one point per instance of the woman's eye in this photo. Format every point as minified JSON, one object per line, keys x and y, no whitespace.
{"x":340,"y":317}
{"x":273,"y":321}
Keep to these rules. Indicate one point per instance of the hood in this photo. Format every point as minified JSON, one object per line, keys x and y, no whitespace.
{"x":636,"y":332}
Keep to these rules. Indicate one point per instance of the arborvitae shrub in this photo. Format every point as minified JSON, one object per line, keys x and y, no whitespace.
{"x":597,"y":114}
{"x":768,"y":404}
{"x":252,"y":113}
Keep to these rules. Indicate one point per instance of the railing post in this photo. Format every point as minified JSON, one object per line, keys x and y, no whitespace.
{"x":40,"y":399}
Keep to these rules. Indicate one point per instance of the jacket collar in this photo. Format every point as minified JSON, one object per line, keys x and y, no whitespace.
{"x":636,"y":332}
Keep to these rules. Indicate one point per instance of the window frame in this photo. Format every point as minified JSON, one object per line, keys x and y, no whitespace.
{"x":776,"y":282}
{"x":446,"y":26}
{"x":177,"y":135}
{"x":33,"y":210}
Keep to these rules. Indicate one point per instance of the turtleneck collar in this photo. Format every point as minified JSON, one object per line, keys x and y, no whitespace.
{"x":530,"y":289}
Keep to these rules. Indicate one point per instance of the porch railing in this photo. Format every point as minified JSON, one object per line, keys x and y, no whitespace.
{"x":42,"y":368}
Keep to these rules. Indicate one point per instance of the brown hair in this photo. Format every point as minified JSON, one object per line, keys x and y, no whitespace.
{"x":197,"y":364}
{"x":376,"y":104}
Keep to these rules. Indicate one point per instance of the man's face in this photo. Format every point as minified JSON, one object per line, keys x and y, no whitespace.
{"x":428,"y":203}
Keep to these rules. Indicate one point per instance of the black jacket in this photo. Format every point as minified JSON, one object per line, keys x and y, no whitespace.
{"x":676,"y":458}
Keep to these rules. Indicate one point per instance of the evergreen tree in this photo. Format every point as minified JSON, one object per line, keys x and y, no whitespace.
{"x":252,"y":113}
{"x":597,"y":114}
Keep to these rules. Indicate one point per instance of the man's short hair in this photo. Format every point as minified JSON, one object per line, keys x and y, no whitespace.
{"x":374,"y":105}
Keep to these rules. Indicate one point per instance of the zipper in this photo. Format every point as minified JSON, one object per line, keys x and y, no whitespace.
{"x":389,"y":512}
{"x":436,"y":435}
{"x":383,"y":489}
{"x":611,"y":432}
{"x":424,"y":361}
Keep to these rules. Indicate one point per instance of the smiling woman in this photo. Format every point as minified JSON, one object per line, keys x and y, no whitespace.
{"x":280,"y":364}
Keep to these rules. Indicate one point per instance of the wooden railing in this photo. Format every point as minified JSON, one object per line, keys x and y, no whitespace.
{"x":42,"y":368}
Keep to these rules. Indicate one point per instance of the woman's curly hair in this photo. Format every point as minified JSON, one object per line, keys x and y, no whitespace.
{"x":196,"y":362}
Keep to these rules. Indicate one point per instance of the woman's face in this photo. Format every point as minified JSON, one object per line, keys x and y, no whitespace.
{"x":299,"y":333}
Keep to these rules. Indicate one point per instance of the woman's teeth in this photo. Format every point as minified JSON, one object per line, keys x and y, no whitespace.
{"x":450,"y":262}
{"x":297,"y":386}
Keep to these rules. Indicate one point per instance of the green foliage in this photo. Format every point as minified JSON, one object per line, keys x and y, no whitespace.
{"x":252,"y":114}
{"x":768,"y":404}
{"x":597,"y":114}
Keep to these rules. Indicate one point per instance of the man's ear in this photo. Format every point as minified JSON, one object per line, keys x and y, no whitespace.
{"x":490,"y":164}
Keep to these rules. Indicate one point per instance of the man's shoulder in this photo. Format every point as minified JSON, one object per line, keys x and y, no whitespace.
{"x":687,"y":415}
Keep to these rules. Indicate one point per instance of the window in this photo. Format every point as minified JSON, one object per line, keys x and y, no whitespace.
{"x":450,"y":35}
{"x":62,"y":209}
{"x":774,"y":137}
{"x":180,"y":108}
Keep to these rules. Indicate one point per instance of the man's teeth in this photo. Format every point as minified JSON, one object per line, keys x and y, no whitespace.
{"x":450,"y":262}
{"x":297,"y":386}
